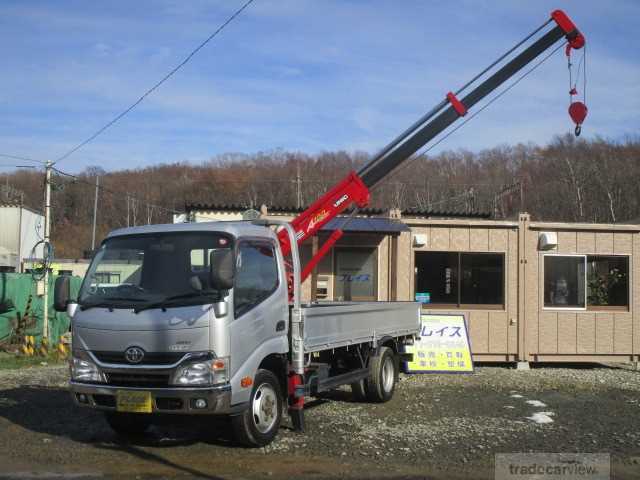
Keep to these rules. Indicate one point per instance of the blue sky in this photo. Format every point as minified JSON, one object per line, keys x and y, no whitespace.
{"x":292,"y":74}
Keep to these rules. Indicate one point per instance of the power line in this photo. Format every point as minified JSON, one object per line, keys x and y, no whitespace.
{"x":113,"y":192}
{"x":5,"y":165}
{"x":24,"y":159}
{"x":154,"y":87}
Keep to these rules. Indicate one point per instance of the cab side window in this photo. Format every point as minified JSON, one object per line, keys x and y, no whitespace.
{"x":256,"y":275}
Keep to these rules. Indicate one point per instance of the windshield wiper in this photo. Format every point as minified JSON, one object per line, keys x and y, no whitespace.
{"x":105,"y":302}
{"x":163,"y":303}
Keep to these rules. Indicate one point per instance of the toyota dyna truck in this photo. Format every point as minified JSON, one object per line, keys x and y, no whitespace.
{"x":206,"y":318}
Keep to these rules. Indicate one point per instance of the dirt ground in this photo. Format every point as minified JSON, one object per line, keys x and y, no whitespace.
{"x":436,"y":426}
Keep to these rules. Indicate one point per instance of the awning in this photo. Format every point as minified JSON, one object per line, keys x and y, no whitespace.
{"x":385,"y":226}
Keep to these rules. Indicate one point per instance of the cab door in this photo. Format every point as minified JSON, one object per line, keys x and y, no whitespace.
{"x":260,"y":304}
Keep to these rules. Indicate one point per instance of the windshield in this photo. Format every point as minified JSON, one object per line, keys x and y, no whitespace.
{"x":138,"y":270}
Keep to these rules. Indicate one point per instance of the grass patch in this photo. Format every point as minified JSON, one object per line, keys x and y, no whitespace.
{"x":9,"y":361}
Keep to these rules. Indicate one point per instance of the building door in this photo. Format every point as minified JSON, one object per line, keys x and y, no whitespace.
{"x":356,"y":276}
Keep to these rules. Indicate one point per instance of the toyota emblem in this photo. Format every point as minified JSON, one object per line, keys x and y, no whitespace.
{"x":134,"y":354}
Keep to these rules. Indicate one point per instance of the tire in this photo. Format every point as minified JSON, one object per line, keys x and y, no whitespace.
{"x":128,"y":424}
{"x":383,"y":373}
{"x":258,"y":425}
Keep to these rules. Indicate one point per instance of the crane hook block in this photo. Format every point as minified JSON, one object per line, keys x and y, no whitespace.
{"x":578,"y":112}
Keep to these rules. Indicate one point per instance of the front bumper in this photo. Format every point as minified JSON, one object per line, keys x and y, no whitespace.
{"x":164,"y":400}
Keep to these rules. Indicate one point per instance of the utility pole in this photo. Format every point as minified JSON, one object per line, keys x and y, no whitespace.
{"x":298,"y":187}
{"x":46,"y":251}
{"x":127,"y":210}
{"x":95,"y":213}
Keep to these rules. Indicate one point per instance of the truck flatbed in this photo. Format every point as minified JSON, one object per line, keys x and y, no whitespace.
{"x":339,"y":324}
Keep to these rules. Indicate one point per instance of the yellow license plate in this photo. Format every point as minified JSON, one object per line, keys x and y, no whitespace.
{"x":133,"y":401}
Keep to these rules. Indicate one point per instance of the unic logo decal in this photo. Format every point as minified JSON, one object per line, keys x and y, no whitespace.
{"x":341,"y":200}
{"x":317,"y":218}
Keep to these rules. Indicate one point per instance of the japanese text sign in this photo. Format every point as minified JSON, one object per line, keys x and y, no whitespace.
{"x":443,"y":346}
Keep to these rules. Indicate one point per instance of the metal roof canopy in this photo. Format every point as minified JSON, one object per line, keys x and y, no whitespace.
{"x":381,"y":225}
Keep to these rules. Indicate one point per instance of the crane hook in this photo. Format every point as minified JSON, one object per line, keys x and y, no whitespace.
{"x":578,"y":112}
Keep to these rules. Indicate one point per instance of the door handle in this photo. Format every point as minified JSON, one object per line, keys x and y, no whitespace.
{"x":280,"y":326}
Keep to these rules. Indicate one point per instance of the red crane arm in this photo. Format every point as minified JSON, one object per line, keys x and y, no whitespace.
{"x":349,"y":191}
{"x":355,"y":187}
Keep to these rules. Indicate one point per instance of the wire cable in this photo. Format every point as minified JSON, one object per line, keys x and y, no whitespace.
{"x":424,"y":151}
{"x":157,"y":85}
{"x":113,"y":192}
{"x":24,"y":159}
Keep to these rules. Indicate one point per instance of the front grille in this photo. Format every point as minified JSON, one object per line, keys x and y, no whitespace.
{"x":169,"y":403}
{"x":150,"y":358}
{"x":144,"y":380}
{"x":105,"y":400}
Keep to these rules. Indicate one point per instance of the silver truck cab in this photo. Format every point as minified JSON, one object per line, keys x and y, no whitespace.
{"x":196,"y":319}
{"x":148,"y":319}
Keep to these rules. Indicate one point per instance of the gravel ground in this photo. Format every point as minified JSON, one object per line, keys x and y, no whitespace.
{"x":436,"y":426}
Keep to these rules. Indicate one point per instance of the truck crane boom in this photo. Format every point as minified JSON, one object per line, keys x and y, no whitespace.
{"x":355,"y":188}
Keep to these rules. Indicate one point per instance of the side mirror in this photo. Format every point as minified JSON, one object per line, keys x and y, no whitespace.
{"x":62,"y":293}
{"x":221,"y":269}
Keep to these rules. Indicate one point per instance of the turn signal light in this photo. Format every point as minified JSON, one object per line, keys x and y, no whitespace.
{"x":218,"y":365}
{"x":246,"y":382}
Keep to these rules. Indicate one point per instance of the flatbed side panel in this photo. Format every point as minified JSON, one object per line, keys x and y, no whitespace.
{"x":333,"y":325}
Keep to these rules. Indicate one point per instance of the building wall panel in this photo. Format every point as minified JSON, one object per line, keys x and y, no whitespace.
{"x":622,"y":243}
{"x":567,"y":334}
{"x":511,"y":296}
{"x":478,"y":239}
{"x":405,"y":267}
{"x":548,"y":333}
{"x":10,"y":222}
{"x":604,"y":333}
{"x":567,"y":242}
{"x":459,"y":238}
{"x":586,"y":242}
{"x":439,"y":239}
{"x":586,"y":333}
{"x":479,"y":331}
{"x":498,"y":239}
{"x":530,"y":285}
{"x":498,"y":332}
{"x":622,"y":333}
{"x":604,"y":242}
{"x":635,"y":293}
{"x":383,"y":269}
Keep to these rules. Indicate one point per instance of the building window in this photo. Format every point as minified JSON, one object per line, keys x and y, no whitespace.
{"x":356,"y":274}
{"x":460,"y":279}
{"x":107,"y":278}
{"x":592,"y":282}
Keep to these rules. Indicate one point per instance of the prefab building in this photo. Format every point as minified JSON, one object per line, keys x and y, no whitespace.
{"x":531,"y":291}
{"x":20,"y":230}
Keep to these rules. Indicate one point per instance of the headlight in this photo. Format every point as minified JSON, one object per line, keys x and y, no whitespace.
{"x":83,"y":369}
{"x":208,"y":372}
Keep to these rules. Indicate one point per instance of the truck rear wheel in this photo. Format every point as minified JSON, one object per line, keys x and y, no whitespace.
{"x":382,"y":376}
{"x":128,"y":424}
{"x":258,"y":425}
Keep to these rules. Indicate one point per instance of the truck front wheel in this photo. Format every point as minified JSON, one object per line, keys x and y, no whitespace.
{"x":258,"y":425}
{"x":382,"y":376}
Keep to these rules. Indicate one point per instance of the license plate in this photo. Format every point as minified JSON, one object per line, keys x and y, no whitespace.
{"x":133,"y":401}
